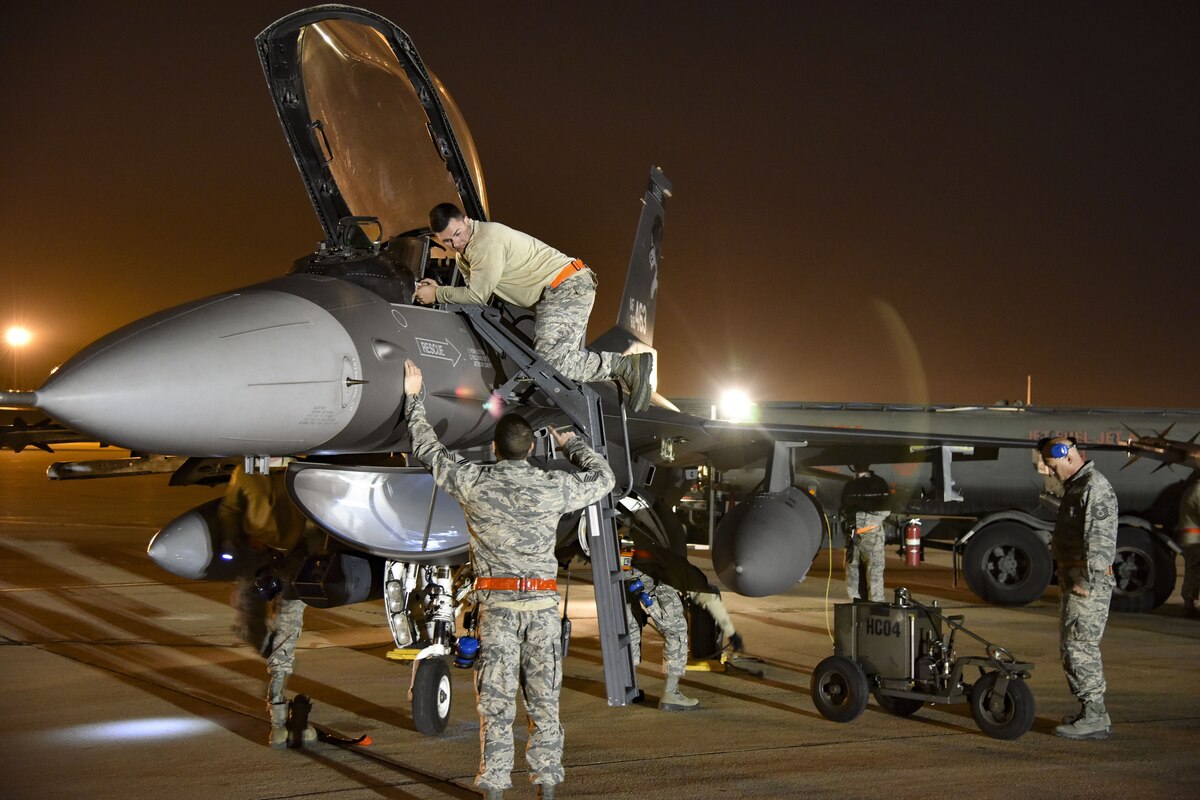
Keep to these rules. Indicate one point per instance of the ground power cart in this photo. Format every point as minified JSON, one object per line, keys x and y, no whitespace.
{"x":903,"y":653}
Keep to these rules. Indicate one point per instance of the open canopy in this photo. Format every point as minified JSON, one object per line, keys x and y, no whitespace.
{"x":374,"y":134}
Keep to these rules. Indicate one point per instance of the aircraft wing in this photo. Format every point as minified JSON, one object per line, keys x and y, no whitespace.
{"x":684,"y":438}
{"x":19,"y":435}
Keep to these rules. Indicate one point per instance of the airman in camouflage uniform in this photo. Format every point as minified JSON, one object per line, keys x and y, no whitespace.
{"x":512,"y":510}
{"x":666,"y":614}
{"x":1188,"y":535}
{"x":258,"y":511}
{"x":1084,"y":545}
{"x":863,"y":507}
{"x":495,"y":259}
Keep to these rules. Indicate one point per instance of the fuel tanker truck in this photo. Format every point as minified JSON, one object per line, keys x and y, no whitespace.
{"x":990,"y":506}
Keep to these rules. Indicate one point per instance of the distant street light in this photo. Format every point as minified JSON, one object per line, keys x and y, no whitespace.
{"x":16,"y":336}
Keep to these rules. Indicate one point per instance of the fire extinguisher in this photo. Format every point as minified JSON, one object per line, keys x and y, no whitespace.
{"x":912,"y":542}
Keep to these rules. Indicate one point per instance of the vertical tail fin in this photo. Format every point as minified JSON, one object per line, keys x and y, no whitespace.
{"x":634,"y":331}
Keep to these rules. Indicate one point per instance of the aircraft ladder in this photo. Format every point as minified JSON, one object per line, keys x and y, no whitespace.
{"x":583,"y":405}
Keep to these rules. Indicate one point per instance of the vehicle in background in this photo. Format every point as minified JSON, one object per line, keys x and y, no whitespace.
{"x":987,"y":505}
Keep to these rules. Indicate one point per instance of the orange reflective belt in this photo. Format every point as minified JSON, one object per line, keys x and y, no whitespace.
{"x":567,"y":271}
{"x":867,"y":529}
{"x":517,"y":584}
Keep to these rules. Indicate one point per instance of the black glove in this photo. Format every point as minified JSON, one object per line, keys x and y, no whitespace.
{"x":735,"y":641}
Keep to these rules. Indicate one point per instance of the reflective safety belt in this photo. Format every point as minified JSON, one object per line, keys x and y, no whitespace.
{"x":567,"y":271}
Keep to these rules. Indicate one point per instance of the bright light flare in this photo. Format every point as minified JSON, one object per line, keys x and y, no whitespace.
{"x":495,"y":406}
{"x":117,"y":732}
{"x":735,"y":405}
{"x":16,"y":336}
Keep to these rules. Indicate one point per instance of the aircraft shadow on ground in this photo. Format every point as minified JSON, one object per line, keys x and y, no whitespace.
{"x":148,"y":664}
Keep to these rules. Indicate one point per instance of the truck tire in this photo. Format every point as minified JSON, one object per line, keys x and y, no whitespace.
{"x":431,"y":695}
{"x":839,"y":689}
{"x":1164,"y":578}
{"x":1015,"y":716}
{"x":1144,"y":571}
{"x":1007,"y":564}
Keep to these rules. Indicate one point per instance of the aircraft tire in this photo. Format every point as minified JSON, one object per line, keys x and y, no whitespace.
{"x":1007,"y":564}
{"x":898,"y":706}
{"x":704,"y":636}
{"x":1016,"y":716}
{"x":431,"y":696}
{"x":839,"y":689}
{"x":1144,"y":571}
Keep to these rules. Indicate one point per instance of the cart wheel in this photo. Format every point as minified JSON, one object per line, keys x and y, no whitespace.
{"x":900,"y":706}
{"x":839,"y":689}
{"x":431,"y":696}
{"x":1013,"y":718}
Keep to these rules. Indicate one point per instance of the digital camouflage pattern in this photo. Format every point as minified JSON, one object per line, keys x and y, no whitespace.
{"x":512,"y":507}
{"x":865,"y":550}
{"x":1084,"y":545}
{"x":512,"y":510}
{"x":863,"y":507}
{"x":273,"y":628}
{"x":562,"y":317}
{"x":517,"y":642}
{"x":666,"y":614}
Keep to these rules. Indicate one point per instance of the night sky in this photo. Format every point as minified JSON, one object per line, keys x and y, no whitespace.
{"x":876,"y":202}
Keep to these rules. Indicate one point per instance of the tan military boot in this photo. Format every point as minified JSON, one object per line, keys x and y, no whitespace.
{"x":297,"y":723}
{"x":1092,"y":724}
{"x":546,"y":791}
{"x":279,"y":731}
{"x":672,"y":699}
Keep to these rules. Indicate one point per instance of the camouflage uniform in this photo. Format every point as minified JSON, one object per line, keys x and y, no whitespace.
{"x":1188,"y":534}
{"x":712,"y":603}
{"x":865,"y":547}
{"x":666,"y":614}
{"x":519,"y":269}
{"x":257,"y":509}
{"x":864,"y":507}
{"x":512,"y":510}
{"x":562,"y":316}
{"x":1084,"y":545}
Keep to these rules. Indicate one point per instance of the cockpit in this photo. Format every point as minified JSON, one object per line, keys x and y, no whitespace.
{"x":378,"y":141}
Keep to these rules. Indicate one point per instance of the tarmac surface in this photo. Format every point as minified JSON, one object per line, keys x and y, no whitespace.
{"x":120,"y":680}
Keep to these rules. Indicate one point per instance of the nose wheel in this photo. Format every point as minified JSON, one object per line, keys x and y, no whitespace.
{"x":431,"y":695}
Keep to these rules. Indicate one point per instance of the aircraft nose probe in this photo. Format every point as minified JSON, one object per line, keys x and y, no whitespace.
{"x":18,"y":399}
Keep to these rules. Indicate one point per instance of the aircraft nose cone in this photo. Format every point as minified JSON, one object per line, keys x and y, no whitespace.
{"x":255,"y":372}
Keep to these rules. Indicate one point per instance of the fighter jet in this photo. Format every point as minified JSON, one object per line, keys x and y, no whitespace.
{"x":310,"y":364}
